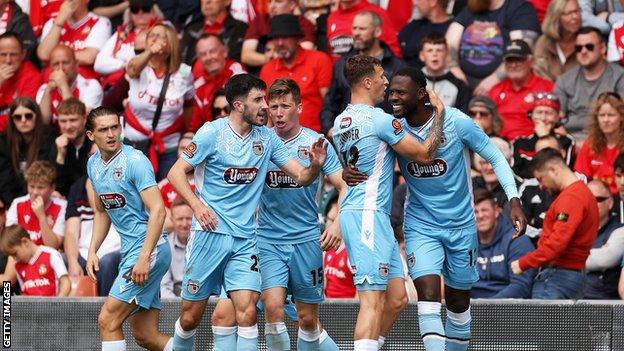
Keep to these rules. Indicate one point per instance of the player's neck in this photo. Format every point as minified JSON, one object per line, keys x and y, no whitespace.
{"x":421,"y":116}
{"x":106,"y":156}
{"x":288,"y":134}
{"x":238,"y":124}
{"x":358,"y":97}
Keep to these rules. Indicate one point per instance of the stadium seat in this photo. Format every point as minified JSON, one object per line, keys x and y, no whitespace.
{"x":83,"y":286}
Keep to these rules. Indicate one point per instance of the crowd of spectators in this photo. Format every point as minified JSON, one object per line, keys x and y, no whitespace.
{"x":543,"y":78}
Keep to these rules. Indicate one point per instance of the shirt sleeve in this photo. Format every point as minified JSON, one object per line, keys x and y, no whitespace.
{"x":202,"y":146}
{"x":105,"y":61}
{"x":388,"y":128}
{"x":608,"y":255}
{"x":46,"y":29}
{"x":40,"y":93}
{"x":332,"y":163}
{"x":72,"y":197}
{"x":279,"y":152}
{"x":523,"y":17}
{"x":56,"y":261}
{"x":501,"y":168}
{"x":613,"y":55}
{"x":142,"y":172}
{"x":59,"y":224}
{"x":11,"y":217}
{"x":99,"y":34}
{"x":469,"y":133}
{"x":93,"y":94}
{"x":187,"y":75}
{"x":581,"y":164}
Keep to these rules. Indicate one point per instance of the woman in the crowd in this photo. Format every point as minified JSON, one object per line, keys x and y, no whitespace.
{"x":120,"y":48}
{"x":26,"y":140}
{"x":157,"y":134}
{"x":220,"y":106}
{"x":554,"y":50}
{"x":605,"y":139}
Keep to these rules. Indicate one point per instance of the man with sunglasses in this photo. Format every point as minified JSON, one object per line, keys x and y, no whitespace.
{"x":514,"y":95}
{"x":578,"y":87}
{"x":603,"y":264}
{"x":211,"y":71}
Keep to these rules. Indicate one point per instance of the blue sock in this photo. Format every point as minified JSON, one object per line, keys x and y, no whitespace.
{"x":183,"y":340}
{"x":224,"y":338}
{"x":326,"y":343}
{"x":276,"y":336}
{"x":458,"y":330}
{"x":308,"y":340}
{"x":247,"y":338}
{"x":430,"y":323}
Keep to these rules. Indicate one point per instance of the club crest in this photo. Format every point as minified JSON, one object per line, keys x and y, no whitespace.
{"x":258,"y":148}
{"x":304,"y":152}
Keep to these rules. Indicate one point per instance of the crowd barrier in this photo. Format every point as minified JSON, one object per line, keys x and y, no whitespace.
{"x":506,"y":325}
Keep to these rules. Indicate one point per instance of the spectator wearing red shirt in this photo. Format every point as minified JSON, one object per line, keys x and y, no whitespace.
{"x":41,"y":271}
{"x":605,"y":140}
{"x":18,"y":77}
{"x":311,"y":69}
{"x":514,"y":96}
{"x":41,"y":11}
{"x":83,"y":31}
{"x":14,"y":20}
{"x":570,"y":228}
{"x":254,"y":53}
{"x":211,"y":71}
{"x":339,"y":23}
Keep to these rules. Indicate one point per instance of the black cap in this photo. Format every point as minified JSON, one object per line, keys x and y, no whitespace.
{"x":517,"y":48}
{"x":285,"y":26}
{"x":141,"y":3}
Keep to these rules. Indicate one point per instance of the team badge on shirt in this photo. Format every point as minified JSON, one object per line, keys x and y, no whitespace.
{"x":43,"y":270}
{"x":192,"y":287}
{"x":304,"y":152}
{"x":190,"y":149}
{"x":345,"y":122}
{"x":117,"y":174}
{"x":562,"y":216}
{"x":258,"y":148}
{"x":397,"y":126}
{"x":383,"y":270}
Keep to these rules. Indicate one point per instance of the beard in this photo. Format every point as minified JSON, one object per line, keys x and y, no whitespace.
{"x":479,"y":6}
{"x":252,"y":119}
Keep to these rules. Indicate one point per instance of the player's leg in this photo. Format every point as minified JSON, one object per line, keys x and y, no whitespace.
{"x":110,"y":320}
{"x":274,"y":272}
{"x":206,"y":258}
{"x":460,"y":273}
{"x":395,"y":298}
{"x":326,"y":343}
{"x":242,"y":282}
{"x":144,"y":326}
{"x":224,"y":325}
{"x":425,"y":260}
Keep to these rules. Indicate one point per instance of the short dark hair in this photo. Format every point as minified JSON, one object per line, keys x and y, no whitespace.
{"x":481,"y":194}
{"x":284,"y":86}
{"x":99,"y":112}
{"x":433,"y":38}
{"x":590,"y":29}
{"x":12,"y":35}
{"x":416,"y":75}
{"x":619,"y":162}
{"x":240,"y":85}
{"x":358,"y":67}
{"x":544,"y":157}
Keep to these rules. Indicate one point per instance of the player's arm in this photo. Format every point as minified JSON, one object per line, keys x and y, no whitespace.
{"x":332,"y":237}
{"x":70,"y":245}
{"x":101,"y":225}
{"x":304,"y":176}
{"x":156,"y":210}
{"x":177,"y":177}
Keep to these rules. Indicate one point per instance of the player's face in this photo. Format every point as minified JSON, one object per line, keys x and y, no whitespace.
{"x":609,"y":120}
{"x":24,"y":119}
{"x":10,"y":53}
{"x":379,"y":84}
{"x":284,"y":113}
{"x":434,"y":56}
{"x":403,"y":97}
{"x":182,"y":216}
{"x":486,"y":214}
{"x":106,"y":134}
{"x":212,"y":55}
{"x":72,"y":125}
{"x":255,"y":112}
{"x":40,"y":189}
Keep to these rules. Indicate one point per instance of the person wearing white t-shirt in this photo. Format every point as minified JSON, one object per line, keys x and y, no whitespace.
{"x":65,"y":82}
{"x":83,"y":31}
{"x":147,"y":73}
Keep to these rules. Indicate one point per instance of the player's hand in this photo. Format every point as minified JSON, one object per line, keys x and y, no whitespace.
{"x":517,"y":217}
{"x":140,"y":272}
{"x":37,"y":206}
{"x":436,"y":103}
{"x":318,"y":152}
{"x":352,"y":176}
{"x":74,"y":269}
{"x":93,"y":265}
{"x":205,"y":216}
{"x":331,"y":237}
{"x":515,"y":267}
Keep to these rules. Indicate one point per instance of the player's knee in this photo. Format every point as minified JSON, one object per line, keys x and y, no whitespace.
{"x":188,"y":320}
{"x":397,"y":303}
{"x":274,"y":311}
{"x":107,"y":323}
{"x":246,"y":316}
{"x":457,"y":305}
{"x":307,"y":320}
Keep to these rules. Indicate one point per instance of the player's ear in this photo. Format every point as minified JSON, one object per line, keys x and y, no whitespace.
{"x":90,"y":135}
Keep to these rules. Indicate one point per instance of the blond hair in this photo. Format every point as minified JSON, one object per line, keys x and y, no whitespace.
{"x":175,"y":57}
{"x":596,"y":138}
{"x":551,"y":27}
{"x":40,"y":171}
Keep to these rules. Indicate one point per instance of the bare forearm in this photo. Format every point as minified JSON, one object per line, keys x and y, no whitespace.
{"x":49,"y":42}
{"x":87,"y":56}
{"x":65,"y":287}
{"x":307,"y":175}
{"x":101,"y":225}
{"x":47,"y":235}
{"x":154,"y":230}
{"x":70,"y":244}
{"x":137,"y":64}
{"x":46,"y":111}
{"x":178,"y":179}
{"x":111,"y":11}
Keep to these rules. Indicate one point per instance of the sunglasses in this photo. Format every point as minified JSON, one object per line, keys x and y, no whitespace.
{"x":137,"y":9}
{"x":26,"y":116}
{"x":602,"y":198}
{"x":216,"y":111}
{"x":547,"y":96}
{"x":590,"y":47}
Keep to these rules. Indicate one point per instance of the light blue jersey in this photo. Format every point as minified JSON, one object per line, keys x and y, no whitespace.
{"x":364,"y":136}
{"x":440,"y":194}
{"x":230,"y":170}
{"x":119,"y":183}
{"x":288,"y":212}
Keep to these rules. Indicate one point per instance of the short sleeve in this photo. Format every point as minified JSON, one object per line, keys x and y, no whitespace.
{"x":142,"y":172}
{"x":388,"y":128}
{"x":470,"y":134}
{"x":99,"y":34}
{"x":59,"y":224}
{"x":92,"y":94}
{"x":11,"y":217}
{"x":40,"y":93}
{"x":523,"y":17}
{"x":202,"y":146}
{"x":56,"y":261}
{"x":279,"y":152}
{"x":332,"y":163}
{"x":189,"y":83}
